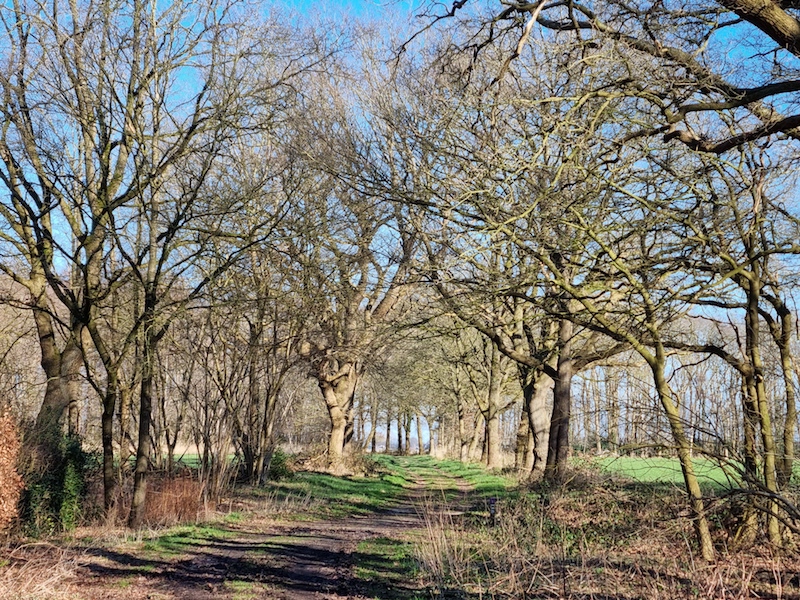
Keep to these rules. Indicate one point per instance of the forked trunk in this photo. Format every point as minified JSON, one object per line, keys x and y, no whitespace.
{"x":338,"y":392}
{"x":535,"y":390}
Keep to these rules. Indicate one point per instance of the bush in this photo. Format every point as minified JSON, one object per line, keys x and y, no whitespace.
{"x":172,"y":500}
{"x":53,"y":499}
{"x":11,"y":485}
{"x":280,"y":467}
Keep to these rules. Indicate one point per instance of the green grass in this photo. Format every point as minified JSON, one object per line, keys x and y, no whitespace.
{"x":446,"y":475}
{"x":385,"y":559}
{"x":483,"y":481}
{"x":341,"y":496}
{"x":235,"y":517}
{"x":328,"y":496}
{"x":181,"y":540}
{"x":665,"y":470}
{"x":242,"y":590}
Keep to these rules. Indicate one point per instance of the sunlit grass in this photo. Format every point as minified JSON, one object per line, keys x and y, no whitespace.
{"x":667,"y":470}
{"x":396,"y":476}
{"x":385,"y":559}
{"x":446,"y":474}
{"x":342,"y":496}
{"x":182,"y":539}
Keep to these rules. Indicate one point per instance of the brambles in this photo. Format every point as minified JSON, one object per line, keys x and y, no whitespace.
{"x":173,"y":500}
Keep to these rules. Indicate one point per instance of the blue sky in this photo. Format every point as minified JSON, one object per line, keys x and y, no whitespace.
{"x":370,"y":9}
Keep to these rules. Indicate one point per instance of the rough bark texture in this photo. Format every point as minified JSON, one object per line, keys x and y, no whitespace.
{"x":493,"y":441}
{"x":338,"y":391}
{"x":523,"y":447}
{"x":147,"y":369}
{"x":684,"y":455}
{"x":762,"y":405}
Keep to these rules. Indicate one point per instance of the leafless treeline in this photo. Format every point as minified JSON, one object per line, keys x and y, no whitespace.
{"x":208,"y":214}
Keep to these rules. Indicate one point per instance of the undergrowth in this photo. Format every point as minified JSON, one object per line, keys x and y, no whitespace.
{"x":595,"y":537}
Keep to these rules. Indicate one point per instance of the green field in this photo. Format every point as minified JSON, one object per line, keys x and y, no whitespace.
{"x":667,"y":470}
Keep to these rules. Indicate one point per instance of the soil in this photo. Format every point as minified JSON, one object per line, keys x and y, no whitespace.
{"x":263,"y":558}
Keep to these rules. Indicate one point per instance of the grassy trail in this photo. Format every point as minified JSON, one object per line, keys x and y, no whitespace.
{"x":313,"y":536}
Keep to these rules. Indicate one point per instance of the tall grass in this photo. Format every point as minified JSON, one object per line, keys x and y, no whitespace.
{"x":598,"y":537}
{"x":37,"y":572}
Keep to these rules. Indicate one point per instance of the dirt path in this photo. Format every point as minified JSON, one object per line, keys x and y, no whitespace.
{"x":260,"y":559}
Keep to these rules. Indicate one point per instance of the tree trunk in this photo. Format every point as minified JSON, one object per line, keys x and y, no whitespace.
{"x":767,"y":439}
{"x":463,"y":437}
{"x":536,"y":397}
{"x":684,"y":455}
{"x":371,"y":440}
{"x":349,"y":427}
{"x":338,"y":391}
{"x":522,"y":445}
{"x":388,"y":445}
{"x":338,"y":419}
{"x":787,"y":370}
{"x":148,"y":359}
{"x":596,"y":418}
{"x":493,"y":440}
{"x":407,"y":435}
{"x":477,"y":436}
{"x":748,"y":527}
{"x":612,"y":397}
{"x":558,"y":442}
{"x":494,"y":451}
{"x":71,"y":363}
{"x":45,"y":439}
{"x":400,"y":433}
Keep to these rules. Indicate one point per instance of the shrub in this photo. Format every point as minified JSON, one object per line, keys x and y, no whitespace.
{"x":172,"y":500}
{"x":280,"y":466}
{"x":11,"y":485}
{"x":53,"y":498}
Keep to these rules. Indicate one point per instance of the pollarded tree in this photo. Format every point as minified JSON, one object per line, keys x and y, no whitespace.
{"x":353,"y":250}
{"x":352,"y":287}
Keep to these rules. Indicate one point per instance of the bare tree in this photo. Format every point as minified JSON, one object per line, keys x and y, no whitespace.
{"x":127,"y":166}
{"x":673,"y":57}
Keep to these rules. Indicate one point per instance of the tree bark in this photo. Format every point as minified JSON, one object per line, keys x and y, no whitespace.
{"x":147,"y":370}
{"x":477,"y":436}
{"x":524,"y":442}
{"x":684,"y":455}
{"x":463,"y":437}
{"x":558,"y":442}
{"x":752,"y":328}
{"x":493,"y":440}
{"x":338,"y":391}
